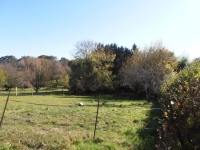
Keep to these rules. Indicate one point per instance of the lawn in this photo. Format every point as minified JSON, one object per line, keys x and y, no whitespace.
{"x":53,"y":120}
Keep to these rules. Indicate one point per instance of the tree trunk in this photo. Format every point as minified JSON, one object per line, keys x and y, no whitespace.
{"x":57,"y":83}
{"x":36,"y":90}
{"x":147,"y":95}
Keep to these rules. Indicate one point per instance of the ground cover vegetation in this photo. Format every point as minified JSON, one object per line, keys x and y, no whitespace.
{"x":153,"y":73}
{"x":55,"y":121}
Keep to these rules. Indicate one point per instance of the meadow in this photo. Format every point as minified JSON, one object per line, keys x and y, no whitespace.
{"x":53,"y":120}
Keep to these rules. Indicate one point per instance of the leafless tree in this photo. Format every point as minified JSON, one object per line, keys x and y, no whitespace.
{"x":84,"y":48}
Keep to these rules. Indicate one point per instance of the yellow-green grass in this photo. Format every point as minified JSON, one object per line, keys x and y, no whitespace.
{"x":55,"y":121}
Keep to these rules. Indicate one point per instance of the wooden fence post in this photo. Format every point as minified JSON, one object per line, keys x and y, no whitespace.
{"x":16,"y":90}
{"x":95,"y":128}
{"x":4,"y":108}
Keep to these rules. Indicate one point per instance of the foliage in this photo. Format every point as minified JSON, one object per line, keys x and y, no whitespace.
{"x":182,"y":63}
{"x":56,"y":71}
{"x":81,"y":68}
{"x":92,"y":73}
{"x":12,"y":79}
{"x":47,"y":57}
{"x":8,"y":60}
{"x":181,"y":107}
{"x":34,"y":72}
{"x":3,"y":76}
{"x":64,"y":81}
{"x":122,"y":54}
{"x":31,"y":71}
{"x":149,"y":68}
{"x":37,"y":72}
{"x":196,"y":60}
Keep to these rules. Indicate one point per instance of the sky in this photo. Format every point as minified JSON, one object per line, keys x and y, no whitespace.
{"x":53,"y":27}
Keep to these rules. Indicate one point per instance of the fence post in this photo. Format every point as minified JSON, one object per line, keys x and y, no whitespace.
{"x":95,"y":128}
{"x":5,"y":108}
{"x":16,"y":90}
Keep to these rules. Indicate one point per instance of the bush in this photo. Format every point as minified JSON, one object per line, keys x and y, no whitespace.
{"x":180,"y":102}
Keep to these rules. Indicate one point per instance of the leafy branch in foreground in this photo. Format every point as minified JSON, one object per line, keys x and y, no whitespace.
{"x":181,"y":111}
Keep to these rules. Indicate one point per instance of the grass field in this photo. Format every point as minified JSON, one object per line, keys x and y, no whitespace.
{"x":54,"y":121}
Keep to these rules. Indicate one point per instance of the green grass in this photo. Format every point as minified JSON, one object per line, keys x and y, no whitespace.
{"x":55,"y":121}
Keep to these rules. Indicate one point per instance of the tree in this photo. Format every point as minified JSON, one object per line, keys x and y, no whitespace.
{"x":121,"y":55}
{"x":32,"y":71}
{"x":84,"y":48}
{"x":92,"y":73}
{"x":56,"y":71}
{"x":48,"y":57}
{"x":9,"y":60}
{"x":12,"y":75}
{"x":3,"y":76}
{"x":64,"y":62}
{"x":149,"y":68}
{"x":64,"y":80}
{"x":182,"y":63}
{"x":134,"y":47}
{"x":103,"y":59}
{"x":10,"y":67}
{"x":82,"y":68}
{"x":37,"y":72}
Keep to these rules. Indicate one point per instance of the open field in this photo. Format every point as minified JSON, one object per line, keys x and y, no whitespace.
{"x":55,"y":121}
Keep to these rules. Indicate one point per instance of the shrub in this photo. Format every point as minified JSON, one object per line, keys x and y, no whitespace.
{"x":180,"y":102}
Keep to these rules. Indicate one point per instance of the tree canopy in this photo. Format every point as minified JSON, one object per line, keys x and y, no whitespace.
{"x":92,"y":73}
{"x":96,"y":67}
{"x":149,"y":68}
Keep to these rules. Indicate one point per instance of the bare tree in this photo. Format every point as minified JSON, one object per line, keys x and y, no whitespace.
{"x":84,"y":48}
{"x":31,"y":71}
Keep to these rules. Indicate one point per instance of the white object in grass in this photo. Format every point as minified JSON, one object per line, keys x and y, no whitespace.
{"x":81,"y":104}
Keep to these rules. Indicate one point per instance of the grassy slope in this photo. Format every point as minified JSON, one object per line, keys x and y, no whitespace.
{"x":57,"y":122}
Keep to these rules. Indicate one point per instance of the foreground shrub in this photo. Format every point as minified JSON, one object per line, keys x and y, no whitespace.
{"x":180,"y":125}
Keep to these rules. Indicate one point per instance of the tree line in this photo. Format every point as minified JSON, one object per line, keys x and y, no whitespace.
{"x":33,"y":72}
{"x":95,"y":68}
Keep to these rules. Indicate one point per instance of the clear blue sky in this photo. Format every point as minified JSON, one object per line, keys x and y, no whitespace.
{"x":52,"y":27}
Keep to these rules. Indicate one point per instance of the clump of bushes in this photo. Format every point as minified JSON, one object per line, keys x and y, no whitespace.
{"x":180,"y":102}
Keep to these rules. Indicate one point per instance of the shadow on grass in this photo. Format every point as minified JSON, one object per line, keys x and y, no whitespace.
{"x":143,"y":138}
{"x":104,"y":99}
{"x":148,"y":135}
{"x":42,"y":104}
{"x":59,"y":92}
